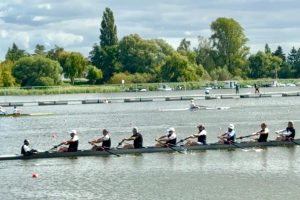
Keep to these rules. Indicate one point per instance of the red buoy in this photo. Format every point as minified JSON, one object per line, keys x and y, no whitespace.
{"x":35,"y":175}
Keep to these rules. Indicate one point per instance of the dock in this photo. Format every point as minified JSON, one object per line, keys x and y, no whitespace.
{"x":166,"y":97}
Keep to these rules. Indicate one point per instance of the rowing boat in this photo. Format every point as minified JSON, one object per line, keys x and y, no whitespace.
{"x":25,"y":114}
{"x":214,"y":146}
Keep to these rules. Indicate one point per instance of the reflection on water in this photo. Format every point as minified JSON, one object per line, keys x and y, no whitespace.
{"x":215,"y":174}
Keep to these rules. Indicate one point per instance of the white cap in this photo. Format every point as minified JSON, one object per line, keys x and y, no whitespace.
{"x":231,"y":126}
{"x":171,"y":129}
{"x":73,"y":131}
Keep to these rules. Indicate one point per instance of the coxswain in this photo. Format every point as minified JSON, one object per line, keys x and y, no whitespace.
{"x":287,"y":134}
{"x":104,"y":140}
{"x":26,"y":150}
{"x":137,"y":139}
{"x":72,"y":143}
{"x":168,"y":139}
{"x":197,"y":138}
{"x":262,"y":134}
{"x":229,"y":136}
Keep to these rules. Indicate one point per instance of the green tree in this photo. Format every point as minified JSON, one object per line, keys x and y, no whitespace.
{"x":108,"y":30}
{"x":40,"y":50}
{"x":264,"y":65}
{"x":105,"y":55}
{"x":74,"y":65}
{"x":205,"y":55}
{"x":267,"y":49}
{"x":178,"y":69}
{"x":279,"y":53}
{"x":184,"y":45}
{"x":37,"y":71}
{"x":54,"y":53}
{"x":14,"y":53}
{"x":94,"y":74}
{"x":6,"y":77}
{"x":229,"y":41}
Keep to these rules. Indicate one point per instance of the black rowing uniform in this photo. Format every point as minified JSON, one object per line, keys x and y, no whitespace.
{"x":230,"y":137}
{"x":202,"y":137}
{"x":26,"y":151}
{"x":171,"y":138}
{"x":138,"y":141}
{"x":73,"y":144}
{"x":263,"y":136}
{"x":106,"y":143}
{"x":290,"y":133}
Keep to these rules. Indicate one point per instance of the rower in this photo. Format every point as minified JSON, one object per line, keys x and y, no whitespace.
{"x":2,"y":111}
{"x":229,"y":136}
{"x":287,"y":134}
{"x":73,"y":143}
{"x":201,"y":137}
{"x":193,"y":105}
{"x":26,"y":150}
{"x":137,"y":139}
{"x":16,"y":111}
{"x":168,"y":139}
{"x":263,"y":134}
{"x":105,"y":140}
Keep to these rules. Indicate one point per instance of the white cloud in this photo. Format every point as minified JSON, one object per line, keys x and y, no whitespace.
{"x":39,"y":18}
{"x":64,"y":39}
{"x":46,"y":6}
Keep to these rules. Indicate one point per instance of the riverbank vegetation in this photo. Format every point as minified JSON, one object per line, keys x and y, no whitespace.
{"x":146,"y":62}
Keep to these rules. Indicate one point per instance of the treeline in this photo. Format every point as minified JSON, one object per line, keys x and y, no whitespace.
{"x":224,"y":55}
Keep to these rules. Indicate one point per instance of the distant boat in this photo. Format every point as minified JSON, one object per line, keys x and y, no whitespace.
{"x":164,"y":87}
{"x":25,"y":114}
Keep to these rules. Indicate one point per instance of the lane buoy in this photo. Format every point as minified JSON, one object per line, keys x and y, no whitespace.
{"x":34,"y":175}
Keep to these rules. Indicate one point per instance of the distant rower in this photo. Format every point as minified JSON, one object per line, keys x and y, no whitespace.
{"x":73,"y":143}
{"x":167,"y":140}
{"x":137,"y":139}
{"x":2,"y":111}
{"x":286,"y":134}
{"x":105,"y":140}
{"x":16,"y":111}
{"x":263,"y":134}
{"x":200,"y":137}
{"x":229,"y":136}
{"x":26,"y":150}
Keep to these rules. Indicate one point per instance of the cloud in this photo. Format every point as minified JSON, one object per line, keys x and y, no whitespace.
{"x":74,"y":24}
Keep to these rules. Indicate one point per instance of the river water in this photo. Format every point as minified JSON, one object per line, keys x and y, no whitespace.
{"x":272,"y":173}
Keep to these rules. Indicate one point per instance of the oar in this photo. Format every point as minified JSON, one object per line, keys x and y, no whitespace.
{"x":120,"y":143}
{"x":108,"y":151}
{"x":182,"y":140}
{"x":54,"y":147}
{"x":242,"y":137}
{"x":238,"y":146}
{"x":169,"y":146}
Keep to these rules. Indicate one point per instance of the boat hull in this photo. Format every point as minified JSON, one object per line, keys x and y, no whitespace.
{"x":114,"y":151}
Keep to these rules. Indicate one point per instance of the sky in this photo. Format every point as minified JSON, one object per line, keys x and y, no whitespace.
{"x":74,"y":24}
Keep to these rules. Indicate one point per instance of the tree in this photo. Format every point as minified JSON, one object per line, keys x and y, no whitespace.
{"x":267,"y":49}
{"x":229,"y":41}
{"x":105,"y":55}
{"x":178,"y":69}
{"x":74,"y":65}
{"x":14,"y":53}
{"x":94,"y":74}
{"x":54,"y":53}
{"x":6,"y":77}
{"x":264,"y":65}
{"x":40,"y":50}
{"x":279,"y":53}
{"x":184,"y":45}
{"x":108,"y":30}
{"x":205,"y":55}
{"x":37,"y":71}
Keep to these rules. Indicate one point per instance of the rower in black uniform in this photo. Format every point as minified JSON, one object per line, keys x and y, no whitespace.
{"x":287,"y":134}
{"x":73,"y":143}
{"x":262,"y":134}
{"x":137,"y":139}
{"x":200,"y":137}
{"x":168,"y":139}
{"x":105,"y":140}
